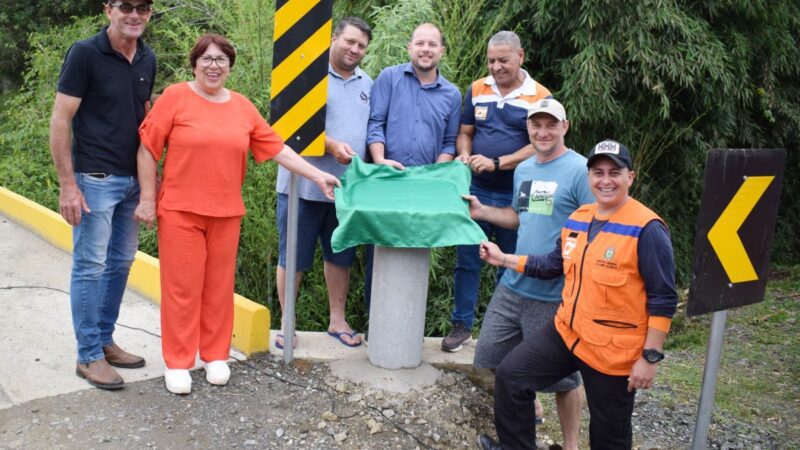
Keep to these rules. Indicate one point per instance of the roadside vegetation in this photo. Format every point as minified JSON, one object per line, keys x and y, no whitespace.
{"x":760,"y":362}
{"x":669,"y":79}
{"x":761,"y":359}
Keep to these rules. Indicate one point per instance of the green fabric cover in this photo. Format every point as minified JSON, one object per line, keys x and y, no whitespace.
{"x":412,"y":208}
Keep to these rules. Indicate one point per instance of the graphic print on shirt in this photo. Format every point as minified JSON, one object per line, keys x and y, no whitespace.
{"x":536,"y":197}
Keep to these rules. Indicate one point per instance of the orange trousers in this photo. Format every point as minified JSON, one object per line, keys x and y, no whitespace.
{"x":198,"y":261}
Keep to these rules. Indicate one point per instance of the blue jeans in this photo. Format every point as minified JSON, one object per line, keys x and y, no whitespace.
{"x":468,"y":261}
{"x":104,"y":245}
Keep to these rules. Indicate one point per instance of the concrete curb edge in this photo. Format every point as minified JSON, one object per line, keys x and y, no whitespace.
{"x":250,"y":319}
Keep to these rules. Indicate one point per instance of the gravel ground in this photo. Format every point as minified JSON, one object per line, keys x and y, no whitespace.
{"x":269,"y":405}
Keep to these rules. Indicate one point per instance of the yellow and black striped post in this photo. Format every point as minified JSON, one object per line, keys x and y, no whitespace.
{"x":297,"y":111}
{"x":300,"y":73}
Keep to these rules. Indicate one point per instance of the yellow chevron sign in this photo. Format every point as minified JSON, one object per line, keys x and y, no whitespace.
{"x":735,"y":228}
{"x":724,"y":237}
{"x":299,"y":88}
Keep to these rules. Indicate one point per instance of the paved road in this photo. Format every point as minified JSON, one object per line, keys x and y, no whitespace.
{"x":37,"y":357}
{"x":43,"y":404}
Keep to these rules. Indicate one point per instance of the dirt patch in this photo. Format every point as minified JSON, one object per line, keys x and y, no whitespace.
{"x":302,"y":406}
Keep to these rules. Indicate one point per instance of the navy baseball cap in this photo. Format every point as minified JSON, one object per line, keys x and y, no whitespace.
{"x":614,"y":151}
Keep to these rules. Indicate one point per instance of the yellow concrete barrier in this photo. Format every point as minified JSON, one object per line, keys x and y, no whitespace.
{"x":250,"y":319}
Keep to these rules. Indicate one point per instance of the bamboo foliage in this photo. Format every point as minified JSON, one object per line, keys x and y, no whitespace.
{"x":392,"y":27}
{"x":669,"y":78}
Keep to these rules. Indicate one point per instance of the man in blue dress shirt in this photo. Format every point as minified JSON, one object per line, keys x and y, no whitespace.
{"x":414,"y":113}
{"x":414,"y":110}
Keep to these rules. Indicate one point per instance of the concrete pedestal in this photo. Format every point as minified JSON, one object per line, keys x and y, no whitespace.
{"x":399,"y":302}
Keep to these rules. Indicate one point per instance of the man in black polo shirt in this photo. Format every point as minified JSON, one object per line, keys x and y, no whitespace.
{"x":103,"y":93}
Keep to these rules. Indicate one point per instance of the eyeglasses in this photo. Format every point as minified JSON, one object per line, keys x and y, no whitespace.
{"x":206,"y":61}
{"x":127,"y":8}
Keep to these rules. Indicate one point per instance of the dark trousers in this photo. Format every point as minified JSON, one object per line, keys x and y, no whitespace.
{"x":540,"y":361}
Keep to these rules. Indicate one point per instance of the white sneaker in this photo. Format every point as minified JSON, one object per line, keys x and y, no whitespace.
{"x":178,"y":381}
{"x":217,"y":372}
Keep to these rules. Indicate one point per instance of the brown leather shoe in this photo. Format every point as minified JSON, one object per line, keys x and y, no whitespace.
{"x":101,"y":375}
{"x":118,"y":357}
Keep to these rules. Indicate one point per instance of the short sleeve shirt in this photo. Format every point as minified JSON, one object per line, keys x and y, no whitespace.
{"x":206,"y":145}
{"x":500,"y":124}
{"x":346,"y":116}
{"x":545,"y":194}
{"x":113,"y":93}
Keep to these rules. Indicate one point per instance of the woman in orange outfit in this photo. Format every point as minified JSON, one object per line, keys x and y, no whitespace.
{"x":207,"y":131}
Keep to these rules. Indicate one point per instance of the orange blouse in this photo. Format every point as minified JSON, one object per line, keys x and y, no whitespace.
{"x":207,"y":147}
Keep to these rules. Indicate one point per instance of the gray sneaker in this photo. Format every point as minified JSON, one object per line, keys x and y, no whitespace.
{"x":452,"y":342}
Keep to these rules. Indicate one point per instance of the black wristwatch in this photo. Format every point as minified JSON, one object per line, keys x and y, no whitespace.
{"x":496,"y":162}
{"x":652,"y":355}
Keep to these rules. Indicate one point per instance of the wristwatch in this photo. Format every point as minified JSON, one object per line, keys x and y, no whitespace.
{"x":496,"y":162}
{"x":652,"y":355}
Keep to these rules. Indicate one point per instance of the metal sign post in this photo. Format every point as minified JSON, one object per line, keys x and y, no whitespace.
{"x":709,"y":388}
{"x":297,"y":111}
{"x":738,"y":213}
{"x":290,"y":296}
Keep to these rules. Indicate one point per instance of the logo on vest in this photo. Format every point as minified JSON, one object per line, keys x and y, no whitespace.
{"x":569,"y":246}
{"x":481,"y":112}
{"x":608,"y":257}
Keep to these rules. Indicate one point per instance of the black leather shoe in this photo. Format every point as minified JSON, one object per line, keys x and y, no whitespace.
{"x":487,"y":443}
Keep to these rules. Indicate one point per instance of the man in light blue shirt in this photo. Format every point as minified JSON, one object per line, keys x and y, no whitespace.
{"x":414,"y":115}
{"x":345,"y":136}
{"x":548,"y":187}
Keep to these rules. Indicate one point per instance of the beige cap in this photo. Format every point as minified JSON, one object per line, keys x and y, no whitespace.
{"x":548,"y":106}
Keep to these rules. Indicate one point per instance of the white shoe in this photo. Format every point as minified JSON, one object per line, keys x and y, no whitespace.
{"x":217,"y":372}
{"x":178,"y":381}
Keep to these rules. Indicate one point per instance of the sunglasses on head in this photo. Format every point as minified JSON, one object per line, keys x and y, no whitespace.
{"x":127,"y":8}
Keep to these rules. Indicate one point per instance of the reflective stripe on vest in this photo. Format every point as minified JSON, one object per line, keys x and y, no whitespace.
{"x":603,"y":315}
